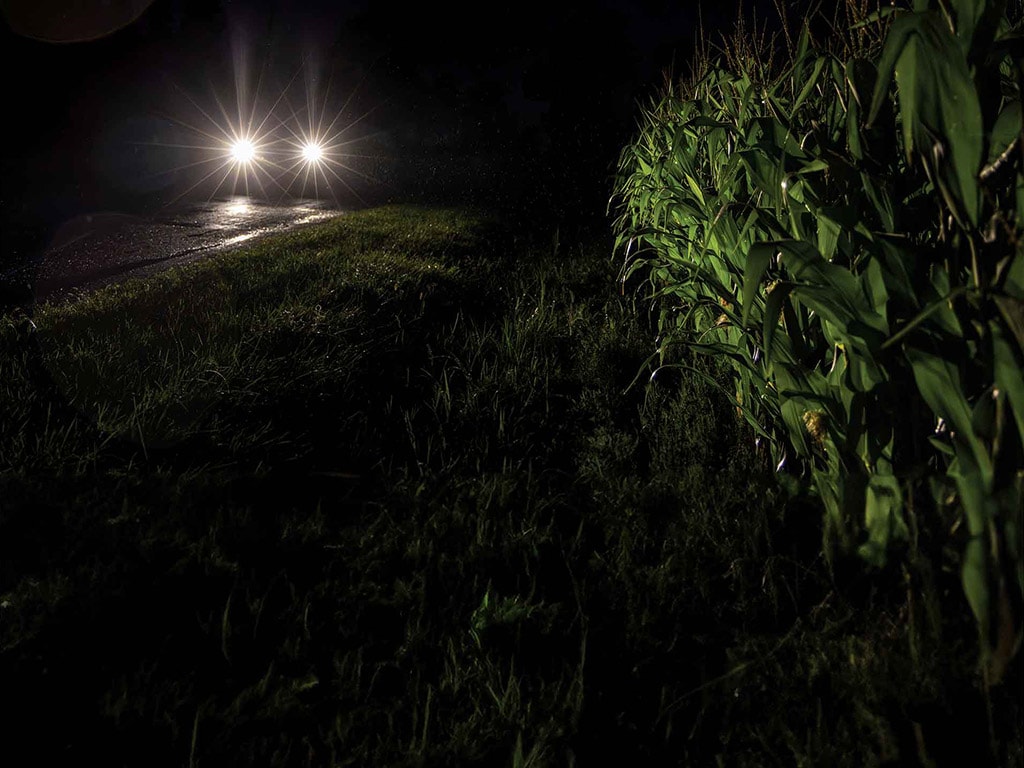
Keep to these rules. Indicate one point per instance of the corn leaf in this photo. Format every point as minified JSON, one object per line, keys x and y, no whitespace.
{"x":1008,"y":364}
{"x":883,"y":504}
{"x":758,"y":258}
{"x":940,"y":386}
{"x":819,"y":65}
{"x":1007,"y":128}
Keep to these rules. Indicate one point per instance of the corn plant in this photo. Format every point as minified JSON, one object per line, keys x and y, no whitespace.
{"x":846,"y":231}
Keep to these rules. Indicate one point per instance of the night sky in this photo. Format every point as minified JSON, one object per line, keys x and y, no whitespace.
{"x":507,"y":102}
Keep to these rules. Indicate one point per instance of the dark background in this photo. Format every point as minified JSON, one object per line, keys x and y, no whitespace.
{"x":520,"y":105}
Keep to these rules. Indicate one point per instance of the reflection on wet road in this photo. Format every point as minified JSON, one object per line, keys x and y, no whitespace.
{"x":94,"y":250}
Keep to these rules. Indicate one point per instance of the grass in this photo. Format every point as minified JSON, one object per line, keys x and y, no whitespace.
{"x":379,"y":492}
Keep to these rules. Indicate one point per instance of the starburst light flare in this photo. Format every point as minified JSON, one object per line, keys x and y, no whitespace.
{"x":243,"y":151}
{"x":312,"y":152}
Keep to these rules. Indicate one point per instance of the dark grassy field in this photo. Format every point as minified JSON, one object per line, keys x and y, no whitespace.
{"x":380,"y":492}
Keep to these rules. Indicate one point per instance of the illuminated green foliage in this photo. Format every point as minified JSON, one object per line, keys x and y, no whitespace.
{"x":845,"y":229}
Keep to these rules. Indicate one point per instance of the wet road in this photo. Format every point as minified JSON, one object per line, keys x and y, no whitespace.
{"x":92,"y":251}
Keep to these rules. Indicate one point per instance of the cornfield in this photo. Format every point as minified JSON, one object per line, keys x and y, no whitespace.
{"x":842,"y":222}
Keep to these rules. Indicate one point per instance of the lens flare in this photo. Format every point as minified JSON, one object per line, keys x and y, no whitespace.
{"x":294,"y":143}
{"x":243,"y":151}
{"x":312,"y":152}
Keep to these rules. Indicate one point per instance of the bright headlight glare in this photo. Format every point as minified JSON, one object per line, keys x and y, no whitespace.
{"x":243,"y":151}
{"x":312,"y":152}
